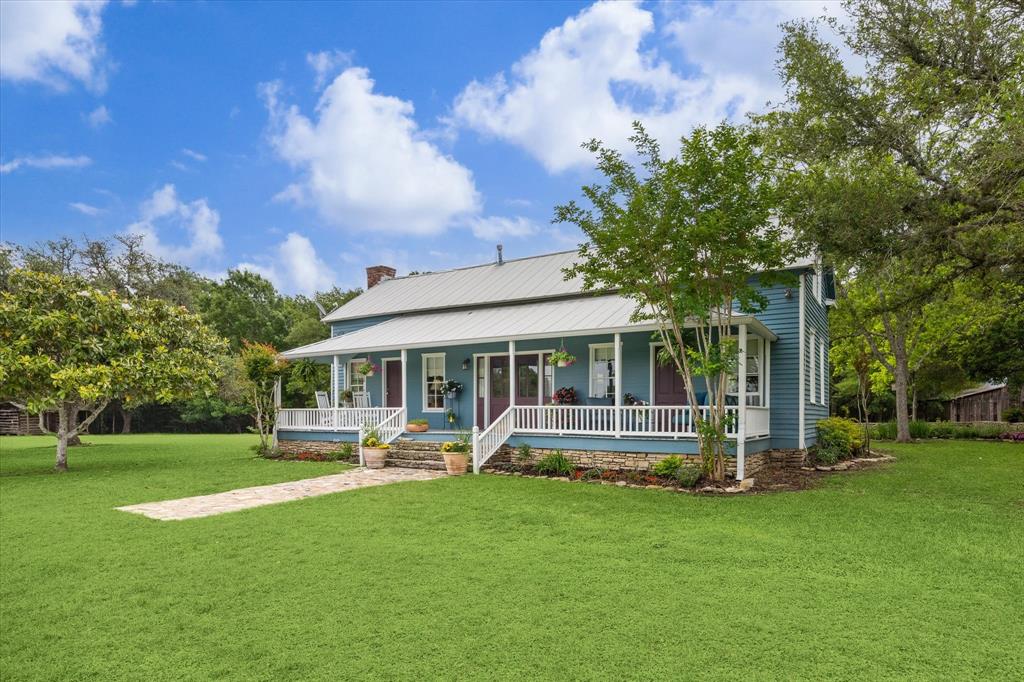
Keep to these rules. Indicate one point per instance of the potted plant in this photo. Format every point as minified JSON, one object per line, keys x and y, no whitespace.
{"x":417,"y":426}
{"x":450,"y":416}
{"x":456,"y":455}
{"x":368,"y":368}
{"x":452,"y":388}
{"x":346,"y":398}
{"x":562,"y":358}
{"x":375,"y":452}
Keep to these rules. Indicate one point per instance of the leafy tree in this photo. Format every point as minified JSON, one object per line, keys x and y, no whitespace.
{"x":69,"y":347}
{"x":684,"y":242}
{"x":245,"y":307}
{"x":262,"y":369}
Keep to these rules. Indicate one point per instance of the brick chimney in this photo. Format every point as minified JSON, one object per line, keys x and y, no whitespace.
{"x":376,"y":274}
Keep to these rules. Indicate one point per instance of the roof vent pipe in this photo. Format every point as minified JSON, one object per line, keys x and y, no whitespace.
{"x":500,"y":259}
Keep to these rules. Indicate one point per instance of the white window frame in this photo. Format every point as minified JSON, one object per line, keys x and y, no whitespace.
{"x":733,"y":387}
{"x":816,"y":283}
{"x":590,"y":371}
{"x":423,"y":382}
{"x":811,"y":347}
{"x":351,"y":373}
{"x":822,"y":362}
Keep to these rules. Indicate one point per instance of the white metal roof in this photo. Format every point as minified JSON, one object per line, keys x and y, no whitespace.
{"x":514,"y":280}
{"x":522,"y":279}
{"x":544,"y":319}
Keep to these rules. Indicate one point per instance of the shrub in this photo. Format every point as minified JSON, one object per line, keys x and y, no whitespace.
{"x":688,"y":475}
{"x":884,"y":431}
{"x":344,"y":452}
{"x":523,"y":454}
{"x":266,"y":450}
{"x":838,"y":438}
{"x":555,"y":464}
{"x":1014,"y":415}
{"x":668,"y":467}
{"x":920,"y":429}
{"x":592,"y":474}
{"x":1016,"y":436}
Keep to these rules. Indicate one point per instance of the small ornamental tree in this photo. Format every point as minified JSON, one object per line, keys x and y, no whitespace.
{"x":262,"y":367}
{"x":685,"y":242}
{"x":67,"y":347}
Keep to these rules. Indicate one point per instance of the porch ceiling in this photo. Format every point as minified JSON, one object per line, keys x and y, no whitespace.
{"x":573,"y":317}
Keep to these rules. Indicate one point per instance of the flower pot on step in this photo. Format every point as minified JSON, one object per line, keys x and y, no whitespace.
{"x":374,"y":457}
{"x":455,"y":463}
{"x":417,"y":428}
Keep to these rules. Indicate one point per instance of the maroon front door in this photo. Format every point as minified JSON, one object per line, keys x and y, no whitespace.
{"x":393,"y":383}
{"x":499,"y":386}
{"x":669,"y":387}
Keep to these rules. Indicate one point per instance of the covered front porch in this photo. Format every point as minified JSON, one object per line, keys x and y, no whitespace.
{"x":625,"y":398}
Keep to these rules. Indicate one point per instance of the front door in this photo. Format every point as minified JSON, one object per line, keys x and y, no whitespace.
{"x":499,"y":386}
{"x":393,"y":383}
{"x":669,"y":387}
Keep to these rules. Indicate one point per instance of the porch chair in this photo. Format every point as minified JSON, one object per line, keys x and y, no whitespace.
{"x":361,"y":399}
{"x":323,"y":401}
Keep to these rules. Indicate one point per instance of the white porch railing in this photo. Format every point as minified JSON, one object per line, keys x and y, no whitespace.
{"x":758,"y":422}
{"x":486,"y":443}
{"x":599,"y":420}
{"x":668,"y":421}
{"x":341,"y":419}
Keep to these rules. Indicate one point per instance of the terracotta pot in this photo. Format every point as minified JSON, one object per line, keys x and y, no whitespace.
{"x":455,"y":463}
{"x":374,"y":457}
{"x":417,"y":428}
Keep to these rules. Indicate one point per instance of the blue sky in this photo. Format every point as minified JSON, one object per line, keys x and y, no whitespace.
{"x":307,"y":141}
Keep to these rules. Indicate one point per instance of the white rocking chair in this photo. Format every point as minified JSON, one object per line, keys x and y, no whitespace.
{"x":361,"y":399}
{"x":323,"y":401}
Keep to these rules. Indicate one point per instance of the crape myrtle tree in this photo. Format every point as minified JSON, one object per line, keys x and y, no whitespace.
{"x":684,"y":238}
{"x":68,"y":347}
{"x":262,"y":369}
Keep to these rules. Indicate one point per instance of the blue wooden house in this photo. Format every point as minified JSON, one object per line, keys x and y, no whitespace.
{"x":488,"y":331}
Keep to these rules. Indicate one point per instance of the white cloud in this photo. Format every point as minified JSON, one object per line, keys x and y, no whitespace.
{"x":52,"y":43}
{"x":196,"y":221}
{"x":179,"y":165}
{"x":325,"y":64}
{"x":364,"y":163}
{"x":85,"y":209}
{"x":594,"y":75}
{"x":192,"y":154}
{"x":45,"y":162}
{"x":497,"y":227}
{"x":98,"y":117}
{"x":296,"y":267}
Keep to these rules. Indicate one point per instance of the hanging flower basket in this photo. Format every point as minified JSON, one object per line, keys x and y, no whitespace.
{"x":452,"y":388}
{"x":561,"y":358}
{"x":367,"y":369}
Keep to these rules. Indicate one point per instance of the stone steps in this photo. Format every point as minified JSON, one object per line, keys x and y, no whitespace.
{"x":403,"y":463}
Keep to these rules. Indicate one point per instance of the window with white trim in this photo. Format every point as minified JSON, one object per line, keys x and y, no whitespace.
{"x":433,"y":382}
{"x":755,"y":374}
{"x":822,"y":365}
{"x":816,"y":283}
{"x":813,"y":336}
{"x":356,"y":381}
{"x":602,"y":370}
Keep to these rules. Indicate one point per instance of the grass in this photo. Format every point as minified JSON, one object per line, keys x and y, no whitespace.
{"x":914,"y":570}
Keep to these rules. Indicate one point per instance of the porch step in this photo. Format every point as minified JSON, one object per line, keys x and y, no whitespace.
{"x":410,"y":445}
{"x":414,"y":463}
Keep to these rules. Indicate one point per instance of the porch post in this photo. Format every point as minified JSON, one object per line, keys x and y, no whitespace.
{"x":512,"y":373}
{"x":334,"y":383}
{"x":618,"y":385}
{"x":476,"y":449}
{"x":362,"y":462}
{"x":741,"y":381}
{"x":277,"y":407}
{"x":405,"y":405}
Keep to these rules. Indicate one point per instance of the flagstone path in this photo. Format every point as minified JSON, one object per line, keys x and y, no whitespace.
{"x":246,"y":498}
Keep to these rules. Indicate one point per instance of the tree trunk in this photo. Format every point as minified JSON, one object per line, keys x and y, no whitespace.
{"x":913,"y":405}
{"x":902,"y":416}
{"x":64,"y":425}
{"x":126,"y":419}
{"x":72,"y":438}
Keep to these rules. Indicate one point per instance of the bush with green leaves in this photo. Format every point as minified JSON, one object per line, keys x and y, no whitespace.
{"x":838,"y":438}
{"x":344,"y":453}
{"x":688,"y":475}
{"x":1014,"y":415}
{"x":555,"y":464}
{"x":523,"y":454}
{"x":668,"y":467}
{"x":592,"y":474}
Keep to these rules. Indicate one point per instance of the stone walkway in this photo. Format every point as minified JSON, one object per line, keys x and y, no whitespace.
{"x":246,"y":498}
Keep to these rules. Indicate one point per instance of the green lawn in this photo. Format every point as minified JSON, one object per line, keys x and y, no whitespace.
{"x":915,"y":570}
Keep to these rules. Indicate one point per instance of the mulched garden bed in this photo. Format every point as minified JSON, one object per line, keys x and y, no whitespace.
{"x":768,"y":480}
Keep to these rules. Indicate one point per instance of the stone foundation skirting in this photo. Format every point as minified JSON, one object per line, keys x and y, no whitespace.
{"x":321,"y":447}
{"x":588,"y":459}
